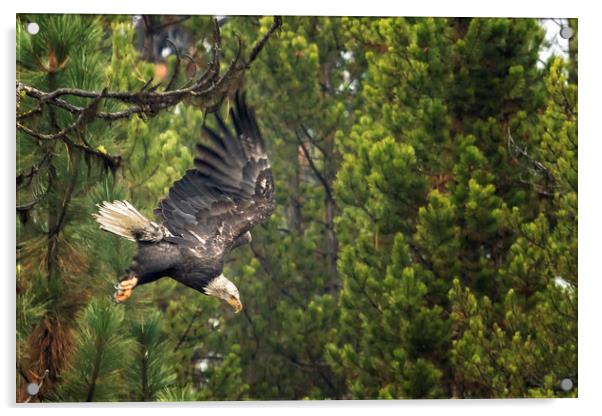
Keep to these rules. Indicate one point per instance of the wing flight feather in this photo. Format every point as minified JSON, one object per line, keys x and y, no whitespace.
{"x":230,"y":191}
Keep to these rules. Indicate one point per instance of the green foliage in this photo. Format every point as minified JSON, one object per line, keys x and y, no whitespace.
{"x":288,"y":277}
{"x":224,"y":381}
{"x":177,"y":394}
{"x":424,"y":243}
{"x":535,"y":330}
{"x":472,"y":287}
{"x":29,"y":309}
{"x":100,"y":353}
{"x":149,"y":373}
{"x":390,"y":333}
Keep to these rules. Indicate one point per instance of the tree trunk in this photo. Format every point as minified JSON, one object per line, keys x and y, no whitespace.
{"x":294,"y":206}
{"x":332,"y":245}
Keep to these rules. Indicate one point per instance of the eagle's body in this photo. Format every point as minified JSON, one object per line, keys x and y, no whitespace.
{"x":156,"y":260}
{"x":206,"y":214}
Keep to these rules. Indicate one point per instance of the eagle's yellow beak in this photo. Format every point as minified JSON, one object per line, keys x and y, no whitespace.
{"x":236,"y":305}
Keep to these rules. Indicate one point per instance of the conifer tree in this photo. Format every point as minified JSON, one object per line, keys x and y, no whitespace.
{"x":100,"y":353}
{"x":71,"y":156}
{"x":461,"y":99}
{"x":50,"y":185}
{"x":302,"y":90}
{"x":533,"y":342}
{"x":425,"y":238}
{"x":149,"y":372}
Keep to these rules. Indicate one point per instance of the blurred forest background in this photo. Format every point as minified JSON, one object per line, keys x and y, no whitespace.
{"x":425,"y":239}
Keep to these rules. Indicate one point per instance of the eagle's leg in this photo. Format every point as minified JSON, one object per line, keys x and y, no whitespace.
{"x":124,"y":288}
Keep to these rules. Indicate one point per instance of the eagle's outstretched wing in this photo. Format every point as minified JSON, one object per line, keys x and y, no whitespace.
{"x":230,"y":191}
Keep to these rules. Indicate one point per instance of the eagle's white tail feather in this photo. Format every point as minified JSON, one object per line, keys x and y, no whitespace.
{"x":121,"y":218}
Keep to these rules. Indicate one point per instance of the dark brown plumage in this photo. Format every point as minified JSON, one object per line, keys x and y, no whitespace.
{"x":206,"y":214}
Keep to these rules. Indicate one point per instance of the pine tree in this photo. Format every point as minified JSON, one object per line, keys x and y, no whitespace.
{"x":534,"y":342}
{"x":425,"y":240}
{"x":100,"y":352}
{"x":288,"y":275}
{"x":50,"y":185}
{"x":67,"y":162}
{"x":438,"y":196}
{"x":149,"y":373}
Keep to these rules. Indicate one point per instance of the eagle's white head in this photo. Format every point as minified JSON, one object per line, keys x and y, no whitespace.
{"x":221,"y":287}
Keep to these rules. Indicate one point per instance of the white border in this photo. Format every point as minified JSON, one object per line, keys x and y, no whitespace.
{"x":515,"y":8}
{"x":589,"y":181}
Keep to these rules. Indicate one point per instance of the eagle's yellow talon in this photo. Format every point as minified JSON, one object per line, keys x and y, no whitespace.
{"x":124,"y":289}
{"x":122,"y":295}
{"x":184,"y":244}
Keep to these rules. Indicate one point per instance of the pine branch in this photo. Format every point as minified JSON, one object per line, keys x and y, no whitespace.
{"x":206,"y":90}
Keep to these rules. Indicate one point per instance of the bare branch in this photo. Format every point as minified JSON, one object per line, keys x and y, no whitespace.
{"x":42,"y":96}
{"x":183,"y":337}
{"x":550,"y":180}
{"x":174,"y":75}
{"x":513,"y":147}
{"x":215,"y":50}
{"x":208,"y":89}
{"x":24,"y":179}
{"x":43,"y":136}
{"x":259,"y":45}
{"x":85,"y":116}
{"x":312,"y":140}
{"x":314,"y":168}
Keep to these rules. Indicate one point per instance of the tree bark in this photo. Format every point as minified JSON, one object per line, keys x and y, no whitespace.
{"x":294,"y":206}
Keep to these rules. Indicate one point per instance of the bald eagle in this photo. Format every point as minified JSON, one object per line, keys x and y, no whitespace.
{"x":207,"y":213}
